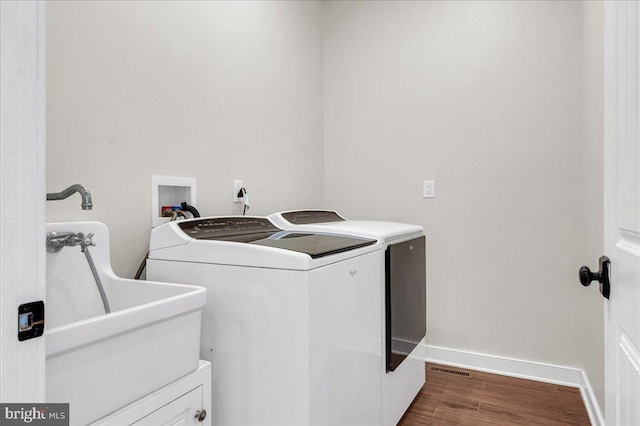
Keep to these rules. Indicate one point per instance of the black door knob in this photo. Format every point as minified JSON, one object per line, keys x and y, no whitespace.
{"x":586,"y":276}
{"x":201,"y":415}
{"x":602,"y":276}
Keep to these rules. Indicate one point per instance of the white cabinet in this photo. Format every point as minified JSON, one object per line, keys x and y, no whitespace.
{"x":183,"y":402}
{"x":182,"y":411}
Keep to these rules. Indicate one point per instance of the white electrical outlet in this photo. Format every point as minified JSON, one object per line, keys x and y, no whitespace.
{"x":237,"y":186}
{"x":429,"y":189}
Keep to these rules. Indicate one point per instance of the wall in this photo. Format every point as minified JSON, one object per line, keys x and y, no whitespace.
{"x":485,"y":98}
{"x":592,"y":178}
{"x":499,"y":103}
{"x":212,"y":90}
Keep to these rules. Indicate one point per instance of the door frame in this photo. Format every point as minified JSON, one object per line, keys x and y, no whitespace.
{"x":622,"y":77}
{"x":22,"y":194}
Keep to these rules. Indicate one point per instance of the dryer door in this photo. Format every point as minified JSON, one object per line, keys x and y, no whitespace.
{"x":405,"y":288}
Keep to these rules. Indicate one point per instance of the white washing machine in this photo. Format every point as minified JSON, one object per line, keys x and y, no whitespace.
{"x":403,"y":273}
{"x":291,"y":324}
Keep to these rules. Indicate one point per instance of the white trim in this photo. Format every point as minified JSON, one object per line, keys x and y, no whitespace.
{"x":531,"y":370}
{"x":541,"y":372}
{"x":590,"y":401}
{"x":22,"y":185}
{"x":629,"y":246}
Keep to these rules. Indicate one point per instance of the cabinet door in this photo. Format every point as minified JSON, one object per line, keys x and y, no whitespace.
{"x":180,"y":411}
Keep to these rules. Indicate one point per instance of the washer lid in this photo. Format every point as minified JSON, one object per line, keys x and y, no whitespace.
{"x":261,"y":231}
{"x":315,"y":245}
{"x":313,"y":221}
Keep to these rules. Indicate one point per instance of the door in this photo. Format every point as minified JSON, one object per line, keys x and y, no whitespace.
{"x":622,"y":213}
{"x":405,"y":300}
{"x":22,"y":194}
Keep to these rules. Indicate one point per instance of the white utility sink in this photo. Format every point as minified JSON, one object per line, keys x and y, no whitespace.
{"x":101,"y":362}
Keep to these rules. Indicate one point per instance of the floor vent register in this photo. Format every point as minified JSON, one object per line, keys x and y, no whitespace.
{"x":451,"y":371}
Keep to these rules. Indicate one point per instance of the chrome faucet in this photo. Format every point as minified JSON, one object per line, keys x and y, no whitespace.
{"x":56,"y":241}
{"x":84,"y":193}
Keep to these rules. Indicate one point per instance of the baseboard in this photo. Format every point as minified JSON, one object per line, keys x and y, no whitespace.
{"x":548,"y":373}
{"x":591,"y":403}
{"x":559,"y":375}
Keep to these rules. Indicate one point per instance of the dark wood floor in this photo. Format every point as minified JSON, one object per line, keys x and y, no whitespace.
{"x":489,"y":399}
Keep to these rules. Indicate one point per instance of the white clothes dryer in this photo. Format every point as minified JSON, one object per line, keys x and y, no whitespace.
{"x":403,"y":277}
{"x":291,"y":324}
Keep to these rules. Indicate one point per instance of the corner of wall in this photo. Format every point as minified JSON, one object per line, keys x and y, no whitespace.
{"x":594,"y":410}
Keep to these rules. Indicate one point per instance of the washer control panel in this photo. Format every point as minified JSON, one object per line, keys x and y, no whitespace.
{"x":303,"y":217}
{"x":227,"y":228}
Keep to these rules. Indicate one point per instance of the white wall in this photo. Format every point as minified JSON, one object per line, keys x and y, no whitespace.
{"x":485,"y":98}
{"x":591,"y":244}
{"x":212,"y":90}
{"x":499,"y":103}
